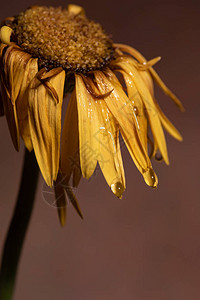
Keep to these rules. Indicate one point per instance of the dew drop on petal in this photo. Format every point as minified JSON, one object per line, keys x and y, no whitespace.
{"x":117,"y":188}
{"x":150,"y":178}
{"x":136,"y":110}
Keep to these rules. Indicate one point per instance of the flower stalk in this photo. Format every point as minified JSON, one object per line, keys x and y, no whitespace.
{"x":18,"y":226}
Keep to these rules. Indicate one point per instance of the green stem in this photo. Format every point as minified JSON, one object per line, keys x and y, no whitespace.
{"x":18,"y":226}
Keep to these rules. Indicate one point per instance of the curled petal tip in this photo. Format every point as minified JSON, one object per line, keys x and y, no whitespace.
{"x":167,"y":163}
{"x":181,"y":139}
{"x":150,"y":178}
{"x":182,"y":108}
{"x":75,"y":9}
{"x":118,"y":189}
{"x":153,"y":61}
{"x":158,"y":58}
{"x":62,"y":215}
{"x":5,"y":34}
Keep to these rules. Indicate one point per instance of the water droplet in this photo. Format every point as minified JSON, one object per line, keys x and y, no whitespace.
{"x":117,"y":188}
{"x":136,"y":110}
{"x":158,"y":156}
{"x":150,"y":178}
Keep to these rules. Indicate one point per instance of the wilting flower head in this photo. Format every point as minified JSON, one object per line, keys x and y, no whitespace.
{"x":46,"y":52}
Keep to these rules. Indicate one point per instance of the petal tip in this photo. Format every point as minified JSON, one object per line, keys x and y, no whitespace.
{"x":76,"y":9}
{"x":62,"y":216}
{"x":5,"y":34}
{"x":150,"y":178}
{"x":117,"y":189}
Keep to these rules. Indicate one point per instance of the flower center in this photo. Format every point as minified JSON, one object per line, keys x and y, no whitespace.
{"x":60,"y":37}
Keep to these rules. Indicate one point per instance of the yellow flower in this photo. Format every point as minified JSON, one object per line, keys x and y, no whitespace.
{"x":47,"y":52}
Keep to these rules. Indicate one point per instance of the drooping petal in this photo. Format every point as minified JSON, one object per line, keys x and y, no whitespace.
{"x":88,"y":126}
{"x":149,"y":105}
{"x":148,"y":81}
{"x":109,"y":156}
{"x":106,"y":138}
{"x":8,"y":108}
{"x":164,"y":120}
{"x":15,"y":62}
{"x":147,"y":64}
{"x":30,"y":71}
{"x":153,"y":147}
{"x":156,"y":77}
{"x":70,"y":160}
{"x":17,"y":68}
{"x":138,"y":106}
{"x":119,"y":105}
{"x":45,"y":124}
{"x":171,"y":129}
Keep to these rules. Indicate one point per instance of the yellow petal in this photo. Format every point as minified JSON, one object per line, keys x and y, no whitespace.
{"x":120,"y":106}
{"x":9,"y":107}
{"x":88,"y":126}
{"x":166,"y":90}
{"x":153,"y":147}
{"x":167,"y":124}
{"x":138,"y":106}
{"x":15,"y":72}
{"x":111,"y":76}
{"x":149,"y":105}
{"x":75,"y":9}
{"x":109,"y":155}
{"x":145,"y":65}
{"x":30,"y":71}
{"x":44,"y":77}
{"x":104,"y":137}
{"x":148,"y":81}
{"x":156,"y":77}
{"x":164,"y":120}
{"x":5,"y":34}
{"x":45,"y":125}
{"x":70,"y":160}
{"x":62,"y":212}
{"x":15,"y":62}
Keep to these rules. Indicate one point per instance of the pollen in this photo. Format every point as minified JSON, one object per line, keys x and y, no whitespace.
{"x":63,"y":37}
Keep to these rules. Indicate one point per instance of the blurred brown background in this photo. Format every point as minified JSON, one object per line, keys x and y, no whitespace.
{"x":146,"y":246}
